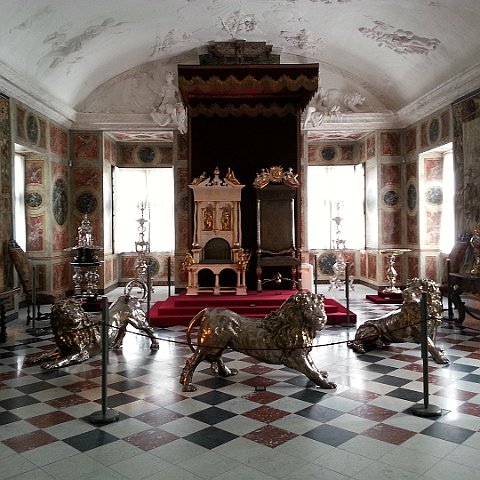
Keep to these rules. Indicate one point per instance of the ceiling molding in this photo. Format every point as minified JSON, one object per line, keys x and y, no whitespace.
{"x":440,"y":97}
{"x":17,"y":87}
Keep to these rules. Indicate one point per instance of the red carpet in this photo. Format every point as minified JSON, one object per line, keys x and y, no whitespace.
{"x":180,"y":309}
{"x":386,"y":298}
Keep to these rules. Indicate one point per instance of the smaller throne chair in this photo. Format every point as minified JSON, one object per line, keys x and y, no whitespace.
{"x":276,"y":190}
{"x":217,"y":262}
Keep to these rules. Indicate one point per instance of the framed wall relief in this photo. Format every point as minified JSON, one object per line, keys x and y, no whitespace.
{"x":466,"y":148}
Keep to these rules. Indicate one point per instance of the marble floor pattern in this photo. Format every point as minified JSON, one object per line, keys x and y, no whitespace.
{"x":266,"y":423}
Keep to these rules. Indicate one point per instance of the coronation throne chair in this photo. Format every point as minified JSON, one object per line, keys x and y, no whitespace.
{"x":276,"y":191}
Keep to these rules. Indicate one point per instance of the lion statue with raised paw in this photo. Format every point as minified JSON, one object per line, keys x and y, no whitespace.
{"x":404,"y":323}
{"x":284,"y":336}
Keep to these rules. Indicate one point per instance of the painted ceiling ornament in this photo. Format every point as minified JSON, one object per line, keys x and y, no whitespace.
{"x":62,"y":47}
{"x":303,"y":40}
{"x":239,"y":22}
{"x":276,"y":174}
{"x":170,"y":40}
{"x":398,"y":40}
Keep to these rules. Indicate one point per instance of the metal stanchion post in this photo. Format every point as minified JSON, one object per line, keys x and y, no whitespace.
{"x":34,"y":300}
{"x":449,"y":292}
{"x":149,"y":292}
{"x":315,"y":275}
{"x":169,"y":270}
{"x":347,"y":295}
{"x":105,"y":415}
{"x":425,"y":410}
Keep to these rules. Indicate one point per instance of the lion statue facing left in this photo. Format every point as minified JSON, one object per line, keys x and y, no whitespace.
{"x":77,"y":336}
{"x":284,"y":336}
{"x":404,"y":323}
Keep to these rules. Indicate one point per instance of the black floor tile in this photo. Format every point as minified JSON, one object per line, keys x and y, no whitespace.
{"x":330,"y":435}
{"x":450,"y":433}
{"x":210,"y":437}
{"x":90,"y":440}
{"x":212,"y":415}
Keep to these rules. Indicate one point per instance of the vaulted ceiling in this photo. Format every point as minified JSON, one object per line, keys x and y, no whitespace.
{"x":101,"y":63}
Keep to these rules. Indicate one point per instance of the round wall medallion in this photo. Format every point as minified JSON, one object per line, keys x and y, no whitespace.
{"x":154,"y":266}
{"x":434,"y":130}
{"x":146,"y":154}
{"x":60,"y":201}
{"x":434,"y":195}
{"x":31,"y":127}
{"x":33,"y":199}
{"x":328,"y":153}
{"x":326,"y":262}
{"x":86,"y":203}
{"x":390,"y":198}
{"x":412,"y":197}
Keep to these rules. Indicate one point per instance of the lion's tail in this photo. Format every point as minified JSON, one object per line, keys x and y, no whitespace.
{"x":191,"y":325}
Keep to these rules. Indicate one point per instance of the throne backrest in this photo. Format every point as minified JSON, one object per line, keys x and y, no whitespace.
{"x":217,"y":250}
{"x":276,"y":220}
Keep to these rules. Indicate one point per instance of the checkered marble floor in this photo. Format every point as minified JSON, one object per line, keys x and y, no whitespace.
{"x":267,"y":422}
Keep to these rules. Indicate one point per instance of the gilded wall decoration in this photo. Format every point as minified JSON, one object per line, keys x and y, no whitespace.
{"x":85,"y":146}
{"x":35,"y":232}
{"x":58,"y":141}
{"x":390,"y":142}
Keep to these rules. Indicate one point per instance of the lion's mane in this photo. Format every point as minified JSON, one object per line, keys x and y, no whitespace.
{"x":295,"y":323}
